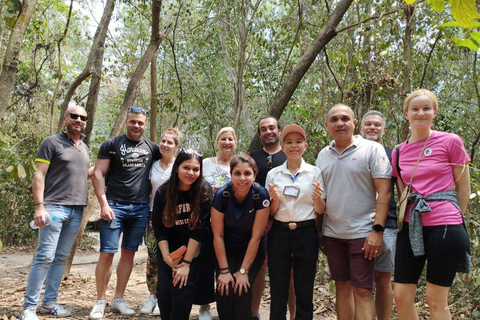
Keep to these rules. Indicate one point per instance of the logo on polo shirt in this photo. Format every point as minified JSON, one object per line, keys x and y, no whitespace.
{"x":428,"y":151}
{"x":384,"y":159}
{"x":266,"y":203}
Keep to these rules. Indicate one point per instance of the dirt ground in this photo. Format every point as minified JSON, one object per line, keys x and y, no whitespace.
{"x":78,"y":293}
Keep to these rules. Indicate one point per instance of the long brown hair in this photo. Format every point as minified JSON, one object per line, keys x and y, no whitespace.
{"x":195,"y":193}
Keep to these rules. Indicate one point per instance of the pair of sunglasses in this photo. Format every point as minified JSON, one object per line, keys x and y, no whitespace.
{"x":75,"y":116}
{"x":269,"y":164}
{"x":137,"y":109}
{"x":199,"y":154}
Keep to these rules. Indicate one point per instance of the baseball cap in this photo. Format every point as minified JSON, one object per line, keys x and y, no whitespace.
{"x":293,"y":128}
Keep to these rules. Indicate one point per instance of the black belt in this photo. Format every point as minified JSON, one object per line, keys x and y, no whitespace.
{"x":295,"y":225}
{"x":124,"y":203}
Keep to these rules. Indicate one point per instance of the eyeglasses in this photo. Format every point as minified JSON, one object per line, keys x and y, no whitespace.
{"x":137,"y":109}
{"x":75,"y":116}
{"x":269,"y":162}
{"x":199,"y":154}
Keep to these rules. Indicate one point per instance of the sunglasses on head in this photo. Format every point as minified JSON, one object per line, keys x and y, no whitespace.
{"x":75,"y":116}
{"x":137,"y":109}
{"x":192,"y":151}
{"x":269,"y":162}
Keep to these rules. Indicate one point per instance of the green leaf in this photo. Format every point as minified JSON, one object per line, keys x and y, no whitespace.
{"x":21,"y":171}
{"x":464,"y":11}
{"x":410,"y":1}
{"x":437,"y":5}
{"x":449,"y":24}
{"x":17,"y":5}
{"x":475,"y":36}
{"x":333,"y":289}
{"x":469,"y":43}
{"x":475,"y":24}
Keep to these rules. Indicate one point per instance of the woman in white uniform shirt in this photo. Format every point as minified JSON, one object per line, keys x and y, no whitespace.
{"x":160,"y":172}
{"x":295,"y":190}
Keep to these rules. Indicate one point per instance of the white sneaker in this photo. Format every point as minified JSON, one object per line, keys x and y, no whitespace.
{"x":56,"y":309}
{"x":204,"y":313}
{"x":98,"y":310}
{"x":120,"y":306}
{"x":156,"y":311}
{"x":29,"y":313}
{"x":149,"y":304}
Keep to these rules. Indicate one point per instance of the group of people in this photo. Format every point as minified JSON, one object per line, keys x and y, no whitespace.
{"x":216,"y":223}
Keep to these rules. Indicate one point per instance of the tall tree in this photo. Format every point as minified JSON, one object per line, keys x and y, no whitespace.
{"x":12,"y":54}
{"x":327,"y":33}
{"x":95,"y":60}
{"x":131,"y":92}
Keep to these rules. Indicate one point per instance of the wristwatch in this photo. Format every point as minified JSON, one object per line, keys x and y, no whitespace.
{"x":243,"y":271}
{"x":378,"y":227}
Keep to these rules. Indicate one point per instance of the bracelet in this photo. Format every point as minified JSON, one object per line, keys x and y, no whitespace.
{"x":186,"y":261}
{"x":224,"y":272}
{"x":38,"y":203}
{"x":222,"y":269}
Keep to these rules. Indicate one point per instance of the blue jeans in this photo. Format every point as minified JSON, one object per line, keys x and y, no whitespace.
{"x":54,"y":244}
{"x":131,"y":219}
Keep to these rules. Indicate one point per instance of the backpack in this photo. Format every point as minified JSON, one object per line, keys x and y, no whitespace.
{"x":256,"y":197}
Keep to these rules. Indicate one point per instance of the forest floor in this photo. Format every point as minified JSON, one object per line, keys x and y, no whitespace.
{"x":78,"y":292}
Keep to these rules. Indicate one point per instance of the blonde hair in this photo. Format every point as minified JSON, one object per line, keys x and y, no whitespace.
{"x":175,"y":134}
{"x":226,"y":129}
{"x":418,"y":93}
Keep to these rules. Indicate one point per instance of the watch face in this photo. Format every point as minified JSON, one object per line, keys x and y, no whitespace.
{"x":242,"y":271}
{"x":378,"y":227}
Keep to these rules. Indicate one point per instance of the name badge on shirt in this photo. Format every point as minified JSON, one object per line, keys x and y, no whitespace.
{"x":291,"y":191}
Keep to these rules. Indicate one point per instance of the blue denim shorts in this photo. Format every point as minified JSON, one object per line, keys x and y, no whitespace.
{"x":131,"y":219}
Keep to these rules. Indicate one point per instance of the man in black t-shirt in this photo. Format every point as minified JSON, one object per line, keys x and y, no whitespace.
{"x":268,"y":157}
{"x":122,"y":167}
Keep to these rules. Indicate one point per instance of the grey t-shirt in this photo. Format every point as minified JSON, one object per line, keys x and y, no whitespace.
{"x":127,"y":179}
{"x":66,"y":179}
{"x":350,"y":193}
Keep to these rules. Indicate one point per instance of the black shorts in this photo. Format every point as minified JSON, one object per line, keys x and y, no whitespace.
{"x":445,"y":248}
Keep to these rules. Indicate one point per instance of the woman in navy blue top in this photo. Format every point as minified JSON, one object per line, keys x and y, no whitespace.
{"x":239,"y":215}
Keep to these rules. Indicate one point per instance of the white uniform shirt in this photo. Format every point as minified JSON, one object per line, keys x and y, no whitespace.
{"x":295,"y":209}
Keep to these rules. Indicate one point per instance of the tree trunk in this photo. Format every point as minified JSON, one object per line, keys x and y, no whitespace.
{"x":156,"y":6}
{"x":326,"y":34}
{"x":94,"y":65}
{"x":12,"y":54}
{"x":131,"y":92}
{"x":96,"y":53}
{"x":86,"y":215}
{"x":407,"y":61}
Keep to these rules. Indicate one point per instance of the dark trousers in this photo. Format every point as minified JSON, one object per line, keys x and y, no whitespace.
{"x":233,"y":306}
{"x":175,"y":303}
{"x":286,"y":249}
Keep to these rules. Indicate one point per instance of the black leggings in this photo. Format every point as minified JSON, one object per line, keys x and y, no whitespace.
{"x":445,"y":248}
{"x":233,"y":306}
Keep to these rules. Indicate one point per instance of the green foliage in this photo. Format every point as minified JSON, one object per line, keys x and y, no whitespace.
{"x":16,"y":171}
{"x":465,"y":13}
